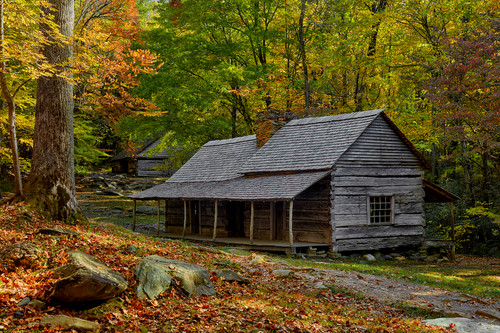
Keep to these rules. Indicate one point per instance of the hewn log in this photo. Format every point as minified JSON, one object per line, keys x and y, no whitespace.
{"x":215,"y":220}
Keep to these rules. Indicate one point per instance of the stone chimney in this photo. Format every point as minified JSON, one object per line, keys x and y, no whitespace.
{"x":269,"y":122}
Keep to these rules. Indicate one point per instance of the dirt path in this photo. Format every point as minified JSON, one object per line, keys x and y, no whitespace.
{"x":390,"y":290}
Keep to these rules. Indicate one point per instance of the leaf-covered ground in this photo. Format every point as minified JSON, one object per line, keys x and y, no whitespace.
{"x":268,"y":303}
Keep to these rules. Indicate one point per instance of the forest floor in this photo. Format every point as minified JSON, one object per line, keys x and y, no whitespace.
{"x":316,"y":297}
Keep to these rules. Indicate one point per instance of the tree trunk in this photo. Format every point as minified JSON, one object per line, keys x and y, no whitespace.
{"x":9,"y":98}
{"x":50,"y":188}
{"x":302,"y":46}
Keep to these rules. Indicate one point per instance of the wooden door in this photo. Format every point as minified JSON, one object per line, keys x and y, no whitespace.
{"x":195,"y":216}
{"x":236,"y":218}
{"x":279,"y":215}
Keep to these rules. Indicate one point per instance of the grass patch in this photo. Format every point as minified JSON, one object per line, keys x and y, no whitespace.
{"x":416,"y":312}
{"x":476,"y":276}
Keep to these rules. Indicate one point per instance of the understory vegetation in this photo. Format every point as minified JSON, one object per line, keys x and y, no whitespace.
{"x":267,"y":303}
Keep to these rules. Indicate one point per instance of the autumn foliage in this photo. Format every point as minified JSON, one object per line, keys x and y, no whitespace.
{"x":268,"y":303}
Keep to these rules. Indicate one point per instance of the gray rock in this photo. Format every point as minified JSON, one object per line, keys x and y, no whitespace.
{"x":19,"y":313}
{"x":195,"y":280}
{"x":154,"y":279}
{"x":111,"y":192}
{"x":24,"y":301}
{"x":464,"y":325}
{"x":20,"y":254}
{"x":312,"y":293}
{"x":69,"y":323}
{"x":230,"y":276}
{"x":37,"y":304}
{"x":320,"y":285}
{"x":432,"y":258}
{"x":369,"y":257}
{"x":85,"y":279}
{"x":57,"y":231}
{"x":132,"y":249}
{"x":282,"y":272}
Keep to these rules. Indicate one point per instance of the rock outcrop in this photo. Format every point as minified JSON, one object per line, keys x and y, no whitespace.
{"x":69,"y":323}
{"x":154,"y":272}
{"x":85,"y":279}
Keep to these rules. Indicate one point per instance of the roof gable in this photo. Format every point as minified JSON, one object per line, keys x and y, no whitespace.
{"x":217,"y":160}
{"x":310,"y":143}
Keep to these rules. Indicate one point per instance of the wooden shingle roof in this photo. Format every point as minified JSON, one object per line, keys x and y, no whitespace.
{"x":297,"y":156}
{"x":217,"y":161}
{"x":310,"y":143}
{"x":277,"y":187}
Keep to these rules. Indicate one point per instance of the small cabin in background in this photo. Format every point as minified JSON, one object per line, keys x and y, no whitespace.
{"x":143,"y":162}
{"x":349,"y":182}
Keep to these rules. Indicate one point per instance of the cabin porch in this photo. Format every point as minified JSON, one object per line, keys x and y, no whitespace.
{"x":256,"y":244}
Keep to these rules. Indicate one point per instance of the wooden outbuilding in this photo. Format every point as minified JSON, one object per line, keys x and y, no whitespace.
{"x":143,"y":162}
{"x":349,"y":182}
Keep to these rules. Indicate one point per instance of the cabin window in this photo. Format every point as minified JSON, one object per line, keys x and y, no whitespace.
{"x":380,"y":209}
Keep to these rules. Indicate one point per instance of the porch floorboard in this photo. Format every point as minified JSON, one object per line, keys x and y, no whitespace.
{"x":258,"y":244}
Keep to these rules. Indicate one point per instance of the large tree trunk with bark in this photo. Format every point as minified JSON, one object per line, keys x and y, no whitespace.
{"x":50,"y":188}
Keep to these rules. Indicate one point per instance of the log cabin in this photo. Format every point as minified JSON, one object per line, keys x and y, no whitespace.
{"x":350,"y":182}
{"x":146,"y":161}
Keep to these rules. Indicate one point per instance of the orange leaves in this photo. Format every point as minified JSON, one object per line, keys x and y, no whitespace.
{"x":107,"y":67}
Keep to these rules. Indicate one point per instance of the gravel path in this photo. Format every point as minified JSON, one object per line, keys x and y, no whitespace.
{"x":390,"y":290}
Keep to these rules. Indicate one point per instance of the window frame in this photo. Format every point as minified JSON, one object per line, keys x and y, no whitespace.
{"x":368,"y":209}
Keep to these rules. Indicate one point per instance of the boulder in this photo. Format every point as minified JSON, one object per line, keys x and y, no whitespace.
{"x":57,"y":231}
{"x":154,"y":279}
{"x":432,"y":258}
{"x":21,"y":254}
{"x":464,"y":325}
{"x":369,"y":257}
{"x":230,"y":276}
{"x":195,"y":280}
{"x":282,"y":272}
{"x":85,"y":279}
{"x":69,"y":323}
{"x":37,"y":304}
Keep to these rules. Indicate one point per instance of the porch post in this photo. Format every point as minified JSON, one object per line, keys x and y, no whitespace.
{"x":452,"y":232}
{"x":215,"y":220}
{"x":290,"y":220}
{"x":271,"y":220}
{"x":185,"y":219}
{"x":133,"y":215}
{"x":158,"y":215}
{"x":252,"y":214}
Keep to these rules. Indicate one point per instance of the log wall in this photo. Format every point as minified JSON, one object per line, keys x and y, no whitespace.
{"x":311,"y":217}
{"x":377,"y":164}
{"x":175,"y":217}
